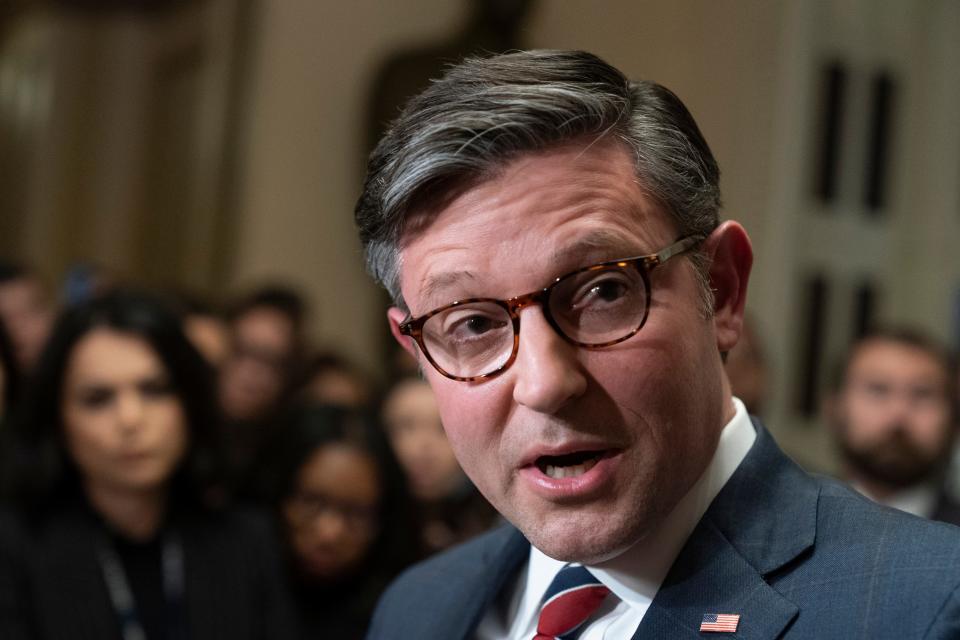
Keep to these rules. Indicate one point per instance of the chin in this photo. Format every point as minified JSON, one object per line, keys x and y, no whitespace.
{"x":588,"y":550}
{"x":148,"y":479}
{"x":584,"y":539}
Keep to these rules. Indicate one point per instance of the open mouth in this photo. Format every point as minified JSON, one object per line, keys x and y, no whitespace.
{"x":569,"y":465}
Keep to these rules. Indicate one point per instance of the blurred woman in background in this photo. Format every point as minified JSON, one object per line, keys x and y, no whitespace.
{"x":118,"y":528}
{"x":452,"y":509}
{"x":341,"y":498}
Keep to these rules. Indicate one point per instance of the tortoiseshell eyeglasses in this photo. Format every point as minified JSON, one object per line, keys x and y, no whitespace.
{"x":592,"y":307}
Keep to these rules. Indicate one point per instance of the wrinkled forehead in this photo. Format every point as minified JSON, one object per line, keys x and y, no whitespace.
{"x":435,"y":197}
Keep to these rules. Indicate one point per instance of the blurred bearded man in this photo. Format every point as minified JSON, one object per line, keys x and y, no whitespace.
{"x":549,"y":232}
{"x":894,"y":417}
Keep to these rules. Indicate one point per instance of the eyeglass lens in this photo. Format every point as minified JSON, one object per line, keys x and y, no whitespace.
{"x":591,"y":307}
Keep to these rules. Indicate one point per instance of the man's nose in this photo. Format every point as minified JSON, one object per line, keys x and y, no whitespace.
{"x":548,"y":372}
{"x":329,"y":525}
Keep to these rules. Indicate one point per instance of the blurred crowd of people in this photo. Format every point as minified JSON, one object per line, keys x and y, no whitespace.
{"x":165,"y":463}
{"x":173,"y":469}
{"x":892,"y":411}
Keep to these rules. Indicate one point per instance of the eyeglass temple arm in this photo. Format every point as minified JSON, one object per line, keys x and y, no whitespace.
{"x":678,"y":247}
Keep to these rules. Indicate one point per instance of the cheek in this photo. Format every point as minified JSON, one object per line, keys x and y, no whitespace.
{"x":652,"y":379}
{"x":88,"y":438}
{"x":472,"y":436}
{"x":473,"y":425}
{"x":171,"y":428}
{"x":932,"y":428}
{"x":648,"y":385}
{"x":862,"y":418}
{"x":406,"y":454}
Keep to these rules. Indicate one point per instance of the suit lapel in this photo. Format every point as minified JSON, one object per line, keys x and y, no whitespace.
{"x":711,"y":577}
{"x":764,"y":518}
{"x":481,"y":580}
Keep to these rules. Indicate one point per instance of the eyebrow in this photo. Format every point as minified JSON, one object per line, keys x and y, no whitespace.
{"x":613,"y":245}
{"x":436,"y":283}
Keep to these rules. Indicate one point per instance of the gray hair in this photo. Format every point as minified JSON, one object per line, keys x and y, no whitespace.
{"x":486,"y":111}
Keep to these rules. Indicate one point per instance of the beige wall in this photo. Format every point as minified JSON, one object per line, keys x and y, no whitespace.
{"x":303,"y":160}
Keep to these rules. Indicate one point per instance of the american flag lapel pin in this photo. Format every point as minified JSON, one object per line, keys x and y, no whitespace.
{"x":720,"y":622}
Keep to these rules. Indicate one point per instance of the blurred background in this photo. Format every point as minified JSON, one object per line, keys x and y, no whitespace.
{"x":211,"y":146}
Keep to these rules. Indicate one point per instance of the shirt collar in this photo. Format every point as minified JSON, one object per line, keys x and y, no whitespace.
{"x":636,"y":574}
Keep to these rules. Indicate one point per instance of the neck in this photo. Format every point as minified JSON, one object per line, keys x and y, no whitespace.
{"x":136,"y":514}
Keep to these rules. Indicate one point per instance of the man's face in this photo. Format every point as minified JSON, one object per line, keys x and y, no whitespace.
{"x":648,"y":410}
{"x":892,"y":417}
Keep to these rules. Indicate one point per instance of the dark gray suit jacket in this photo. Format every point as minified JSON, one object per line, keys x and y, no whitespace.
{"x":796,"y":556}
{"x":52,"y":586}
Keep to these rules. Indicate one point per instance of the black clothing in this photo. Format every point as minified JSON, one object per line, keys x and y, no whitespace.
{"x":947,"y":510}
{"x":143,"y":565}
{"x":52,"y":585}
{"x":341,"y":610}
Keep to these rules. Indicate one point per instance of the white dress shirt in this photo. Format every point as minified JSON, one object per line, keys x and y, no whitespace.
{"x":634,"y":576}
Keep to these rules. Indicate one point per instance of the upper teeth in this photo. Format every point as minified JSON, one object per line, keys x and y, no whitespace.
{"x":568,"y":472}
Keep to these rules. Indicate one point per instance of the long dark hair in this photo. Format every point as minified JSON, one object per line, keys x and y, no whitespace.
{"x":38,"y":472}
{"x":10,"y":373}
{"x":307,"y":427}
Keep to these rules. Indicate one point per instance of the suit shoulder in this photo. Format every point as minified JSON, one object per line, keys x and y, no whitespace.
{"x":454,"y":587}
{"x":436,"y":570}
{"x":874,"y":571}
{"x":842,"y":511}
{"x":909,"y":559}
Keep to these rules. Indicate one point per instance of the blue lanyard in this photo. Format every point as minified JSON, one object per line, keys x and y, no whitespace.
{"x":121,"y":596}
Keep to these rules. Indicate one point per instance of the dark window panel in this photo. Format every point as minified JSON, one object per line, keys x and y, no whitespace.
{"x":865,"y":308}
{"x":832,"y":101}
{"x":882,"y":92}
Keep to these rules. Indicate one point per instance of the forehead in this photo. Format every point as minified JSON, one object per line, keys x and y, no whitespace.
{"x":108,"y":355}
{"x":341,"y":471}
{"x":896,"y":360}
{"x":20,"y":291}
{"x":412,"y":394}
{"x":541,"y":215}
{"x":263,"y":324}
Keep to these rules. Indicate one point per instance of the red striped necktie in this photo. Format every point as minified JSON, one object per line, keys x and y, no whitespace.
{"x":571,"y":598}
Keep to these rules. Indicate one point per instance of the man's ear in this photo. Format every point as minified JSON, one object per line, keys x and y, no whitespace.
{"x":731,"y":256}
{"x":394,"y":317}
